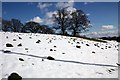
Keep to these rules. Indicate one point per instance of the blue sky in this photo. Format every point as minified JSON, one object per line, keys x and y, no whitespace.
{"x":103,"y":15}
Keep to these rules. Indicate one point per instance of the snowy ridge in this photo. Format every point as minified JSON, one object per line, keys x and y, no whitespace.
{"x":27,"y":54}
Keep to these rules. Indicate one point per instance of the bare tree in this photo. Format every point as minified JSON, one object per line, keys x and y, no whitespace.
{"x":6,"y":25}
{"x":16,"y":25}
{"x":79,"y":22}
{"x":61,"y":20}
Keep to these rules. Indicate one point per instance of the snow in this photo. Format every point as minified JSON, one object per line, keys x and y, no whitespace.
{"x":70,"y":62}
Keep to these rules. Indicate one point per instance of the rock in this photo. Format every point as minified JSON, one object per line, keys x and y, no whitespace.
{"x":42,"y":59}
{"x":26,"y":48}
{"x":63,"y":53}
{"x":51,"y":49}
{"x":30,"y":37}
{"x":19,"y":37}
{"x":19,"y":44}
{"x":118,"y":64}
{"x":78,"y":46}
{"x":93,"y":51}
{"x":14,"y":76}
{"x":21,"y":59}
{"x":102,"y":48}
{"x":87,"y":44}
{"x":50,"y":58}
{"x":38,"y":41}
{"x":55,"y":46}
{"x":14,"y":39}
{"x":7,"y":37}
{"x":9,"y":45}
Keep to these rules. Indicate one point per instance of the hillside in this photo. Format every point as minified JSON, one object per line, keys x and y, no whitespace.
{"x":54,"y":56}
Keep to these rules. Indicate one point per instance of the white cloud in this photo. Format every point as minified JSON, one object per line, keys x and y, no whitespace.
{"x":88,"y":14}
{"x":49,"y":22}
{"x":107,"y":27}
{"x":71,"y":9}
{"x":50,"y":14}
{"x":43,"y":5}
{"x":71,"y":1}
{"x":60,"y":5}
{"x":36,"y":19}
{"x":102,"y":33}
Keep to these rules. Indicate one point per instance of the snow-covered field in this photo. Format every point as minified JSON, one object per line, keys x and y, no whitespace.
{"x":27,"y":55}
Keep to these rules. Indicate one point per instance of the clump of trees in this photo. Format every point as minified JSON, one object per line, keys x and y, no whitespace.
{"x":74,"y":23}
{"x":68,"y":23}
{"x":14,"y":25}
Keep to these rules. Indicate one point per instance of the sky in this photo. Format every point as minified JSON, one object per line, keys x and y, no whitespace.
{"x":103,"y":15}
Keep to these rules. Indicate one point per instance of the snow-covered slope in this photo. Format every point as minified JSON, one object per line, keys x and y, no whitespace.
{"x":74,"y":57}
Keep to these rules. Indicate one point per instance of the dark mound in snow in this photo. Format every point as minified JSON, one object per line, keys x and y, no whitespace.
{"x":14,"y":76}
{"x":21,"y":59}
{"x":9,"y":45}
{"x":50,"y":58}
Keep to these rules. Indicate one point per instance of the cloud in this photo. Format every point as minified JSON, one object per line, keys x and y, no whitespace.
{"x":36,"y":19}
{"x":43,"y":5}
{"x":50,"y":14}
{"x":49,"y":22}
{"x":88,"y":14}
{"x":110,"y":33}
{"x":60,"y":5}
{"x":107,"y":27}
{"x":71,"y":9}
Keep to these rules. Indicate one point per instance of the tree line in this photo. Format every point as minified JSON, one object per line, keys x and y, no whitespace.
{"x":65,"y":23}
